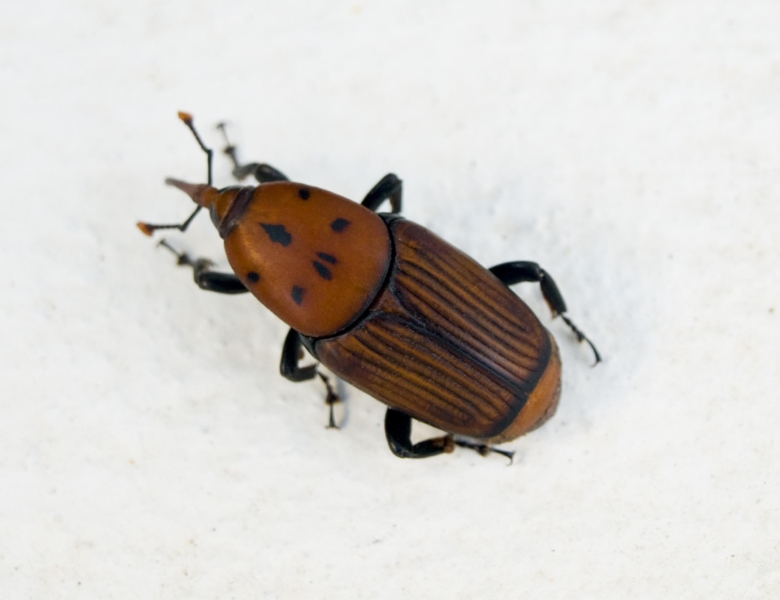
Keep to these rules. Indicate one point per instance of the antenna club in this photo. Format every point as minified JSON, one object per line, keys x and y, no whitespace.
{"x":186,"y":117}
{"x":145,"y":228}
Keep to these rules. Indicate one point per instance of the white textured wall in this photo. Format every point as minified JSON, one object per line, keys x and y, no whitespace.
{"x":148,"y":446}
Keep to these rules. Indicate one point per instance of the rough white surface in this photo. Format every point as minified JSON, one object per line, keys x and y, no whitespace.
{"x":148,"y":446}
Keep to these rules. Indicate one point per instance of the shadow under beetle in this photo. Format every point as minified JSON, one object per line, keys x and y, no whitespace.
{"x":387,"y":306}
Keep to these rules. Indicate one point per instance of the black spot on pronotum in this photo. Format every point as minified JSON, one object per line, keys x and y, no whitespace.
{"x":277,"y":233}
{"x":303,"y":194}
{"x":322,"y":270}
{"x":297,"y":294}
{"x":252,"y":277}
{"x":339,"y":225}
{"x":329,"y":258}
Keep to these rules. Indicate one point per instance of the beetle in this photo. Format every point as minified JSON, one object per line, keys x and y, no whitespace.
{"x":385,"y":305}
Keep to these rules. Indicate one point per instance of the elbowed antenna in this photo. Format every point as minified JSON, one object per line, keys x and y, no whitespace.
{"x":187,"y":118}
{"x":189,"y":188}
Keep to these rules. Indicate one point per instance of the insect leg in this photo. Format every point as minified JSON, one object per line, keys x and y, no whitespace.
{"x":388,"y":188}
{"x":398,"y":429}
{"x":292,"y":353}
{"x":263,"y":173}
{"x":205,"y":278}
{"x":516,"y":272}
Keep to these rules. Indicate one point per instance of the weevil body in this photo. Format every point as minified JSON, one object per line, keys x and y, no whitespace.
{"x":387,"y":306}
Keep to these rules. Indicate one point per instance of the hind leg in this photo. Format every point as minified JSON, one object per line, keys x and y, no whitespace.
{"x":516,"y":272}
{"x":398,"y":430}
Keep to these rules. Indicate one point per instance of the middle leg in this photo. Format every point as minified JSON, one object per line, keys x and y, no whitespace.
{"x":289,"y":367}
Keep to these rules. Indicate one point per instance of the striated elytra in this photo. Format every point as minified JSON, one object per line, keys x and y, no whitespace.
{"x":387,"y":306}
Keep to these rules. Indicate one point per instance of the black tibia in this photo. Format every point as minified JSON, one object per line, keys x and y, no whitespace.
{"x":516,"y":272}
{"x":292,"y":353}
{"x":519,"y":271}
{"x":213,"y":281}
{"x":388,"y":188}
{"x":398,"y":428}
{"x":263,"y":173}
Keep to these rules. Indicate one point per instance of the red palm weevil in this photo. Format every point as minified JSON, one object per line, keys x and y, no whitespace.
{"x":386,"y":305}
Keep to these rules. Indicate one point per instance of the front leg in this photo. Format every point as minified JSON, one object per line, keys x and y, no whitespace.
{"x":388,"y":188}
{"x":398,"y":430}
{"x":205,"y":278}
{"x":516,"y":272}
{"x":263,"y":172}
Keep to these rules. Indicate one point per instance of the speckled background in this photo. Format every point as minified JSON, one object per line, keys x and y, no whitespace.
{"x":148,"y":446}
